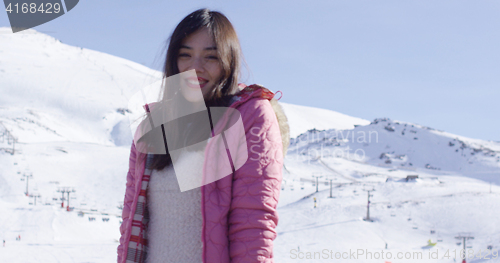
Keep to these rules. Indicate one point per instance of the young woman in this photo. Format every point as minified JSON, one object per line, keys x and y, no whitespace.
{"x":233,"y":217}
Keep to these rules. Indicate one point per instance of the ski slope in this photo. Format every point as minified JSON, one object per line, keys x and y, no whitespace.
{"x":67,"y":106}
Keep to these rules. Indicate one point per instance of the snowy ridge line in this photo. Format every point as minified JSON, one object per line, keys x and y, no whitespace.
{"x":305,"y":118}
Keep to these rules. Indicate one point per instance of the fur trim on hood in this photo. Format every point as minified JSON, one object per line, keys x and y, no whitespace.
{"x":283,"y":123}
{"x":278,"y":110}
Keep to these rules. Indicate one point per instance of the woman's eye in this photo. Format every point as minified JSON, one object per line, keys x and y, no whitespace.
{"x":183,"y":55}
{"x":212,"y":57}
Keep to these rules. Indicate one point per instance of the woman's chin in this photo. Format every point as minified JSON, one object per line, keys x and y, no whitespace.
{"x":193,"y":99}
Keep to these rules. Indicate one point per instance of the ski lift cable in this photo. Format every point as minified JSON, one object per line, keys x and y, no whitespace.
{"x":336,"y":172}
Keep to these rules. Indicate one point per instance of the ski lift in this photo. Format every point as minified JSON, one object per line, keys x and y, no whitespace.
{"x":490,"y":247}
{"x":433,"y":231}
{"x":415,"y":227}
{"x":459,"y":243}
{"x":393,"y":214}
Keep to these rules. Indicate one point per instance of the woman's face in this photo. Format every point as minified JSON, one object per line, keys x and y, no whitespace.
{"x":198,"y":52}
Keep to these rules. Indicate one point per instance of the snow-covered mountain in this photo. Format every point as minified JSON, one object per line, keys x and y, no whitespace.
{"x":67,"y":106}
{"x":407,"y":146}
{"x":80,"y":97}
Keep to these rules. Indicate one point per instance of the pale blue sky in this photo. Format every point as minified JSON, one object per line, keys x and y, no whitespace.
{"x":435,"y":63}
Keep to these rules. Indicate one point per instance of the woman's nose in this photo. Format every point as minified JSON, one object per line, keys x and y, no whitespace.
{"x":197,"y":64}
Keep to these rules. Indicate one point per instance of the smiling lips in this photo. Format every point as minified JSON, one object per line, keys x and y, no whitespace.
{"x":196,"y":82}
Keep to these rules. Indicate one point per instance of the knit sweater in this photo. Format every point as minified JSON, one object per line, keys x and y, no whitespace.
{"x":175,"y":226}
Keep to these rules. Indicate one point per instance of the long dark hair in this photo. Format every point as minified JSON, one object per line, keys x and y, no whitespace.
{"x":230,"y":56}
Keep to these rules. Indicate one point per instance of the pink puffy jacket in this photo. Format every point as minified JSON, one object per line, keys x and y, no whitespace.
{"x":239,"y":211}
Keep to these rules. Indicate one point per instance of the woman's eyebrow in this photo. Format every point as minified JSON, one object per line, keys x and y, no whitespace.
{"x":207,"y":48}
